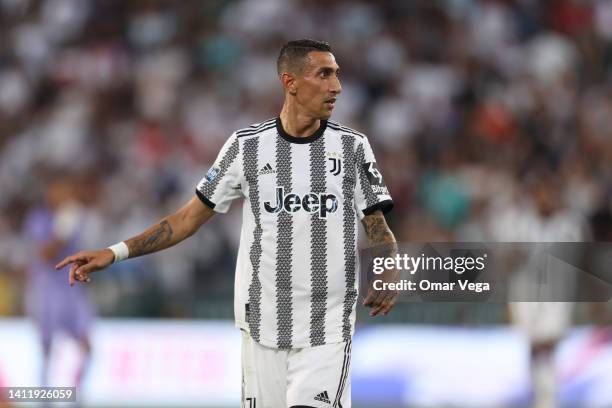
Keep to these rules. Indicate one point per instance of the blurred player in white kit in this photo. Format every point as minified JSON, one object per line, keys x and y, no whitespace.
{"x":54,"y":230}
{"x":542,"y":218}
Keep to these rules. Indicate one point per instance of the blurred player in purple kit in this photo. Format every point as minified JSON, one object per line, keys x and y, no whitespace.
{"x":54,"y":229}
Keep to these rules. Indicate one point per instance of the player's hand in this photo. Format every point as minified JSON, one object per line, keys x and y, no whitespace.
{"x":382,"y":300}
{"x":86,"y":262}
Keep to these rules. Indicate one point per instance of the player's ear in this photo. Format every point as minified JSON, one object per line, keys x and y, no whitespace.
{"x":289,"y":84}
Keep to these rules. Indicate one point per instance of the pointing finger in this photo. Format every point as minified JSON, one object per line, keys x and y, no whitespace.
{"x":70,"y":259}
{"x":63,"y":263}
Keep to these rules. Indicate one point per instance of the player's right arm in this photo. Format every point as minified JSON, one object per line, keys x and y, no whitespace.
{"x":221,"y":184}
{"x":167,"y":232}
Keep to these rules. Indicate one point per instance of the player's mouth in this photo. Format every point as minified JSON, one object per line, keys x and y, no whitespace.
{"x":329,"y":103}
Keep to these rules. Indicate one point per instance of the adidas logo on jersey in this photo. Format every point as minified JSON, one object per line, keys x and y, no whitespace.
{"x":323,"y":397}
{"x":267,"y":169}
{"x":322,"y":203}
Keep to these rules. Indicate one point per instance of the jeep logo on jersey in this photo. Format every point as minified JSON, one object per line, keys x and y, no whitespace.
{"x":322,"y":203}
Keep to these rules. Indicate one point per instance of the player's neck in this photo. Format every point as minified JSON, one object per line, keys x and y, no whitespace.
{"x":298,"y":124}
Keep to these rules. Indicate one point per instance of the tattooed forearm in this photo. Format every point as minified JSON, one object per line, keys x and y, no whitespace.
{"x":377,"y":230}
{"x":382,"y":244}
{"x":154,"y":239}
{"x":379,"y":235}
{"x":171,"y":230}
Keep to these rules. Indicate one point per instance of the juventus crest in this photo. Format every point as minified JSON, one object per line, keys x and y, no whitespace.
{"x":336,"y":165}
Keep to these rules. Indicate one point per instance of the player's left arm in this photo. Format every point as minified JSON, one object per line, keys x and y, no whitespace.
{"x":382,"y":240}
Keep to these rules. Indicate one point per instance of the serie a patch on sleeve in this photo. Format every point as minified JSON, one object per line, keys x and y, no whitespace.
{"x":212,"y":173}
{"x":375,"y":178}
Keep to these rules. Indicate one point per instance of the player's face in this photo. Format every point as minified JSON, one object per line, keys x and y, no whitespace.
{"x":318,"y":85}
{"x":58,"y":192}
{"x":546,"y":198}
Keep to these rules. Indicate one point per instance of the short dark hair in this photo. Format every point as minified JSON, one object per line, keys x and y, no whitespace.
{"x":294,"y":53}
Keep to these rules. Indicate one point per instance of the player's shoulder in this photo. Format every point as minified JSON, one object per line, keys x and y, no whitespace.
{"x":256,"y":129}
{"x":345,"y":130}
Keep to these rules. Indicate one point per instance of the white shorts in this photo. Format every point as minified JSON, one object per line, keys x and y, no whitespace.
{"x":542,"y":321}
{"x":317,"y":377}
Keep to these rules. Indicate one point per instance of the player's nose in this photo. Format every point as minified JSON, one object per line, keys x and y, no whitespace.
{"x":336,"y":87}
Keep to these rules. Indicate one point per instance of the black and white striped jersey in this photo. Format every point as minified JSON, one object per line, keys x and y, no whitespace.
{"x":297,"y":269}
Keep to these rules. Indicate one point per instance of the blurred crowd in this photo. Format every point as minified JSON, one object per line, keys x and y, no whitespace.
{"x":467,"y":105}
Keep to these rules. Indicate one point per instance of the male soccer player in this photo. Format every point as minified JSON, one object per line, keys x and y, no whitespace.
{"x":53,"y":229}
{"x":305,"y":182}
{"x":542,"y":218}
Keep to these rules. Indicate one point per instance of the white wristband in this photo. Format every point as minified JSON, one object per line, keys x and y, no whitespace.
{"x":120,"y":250}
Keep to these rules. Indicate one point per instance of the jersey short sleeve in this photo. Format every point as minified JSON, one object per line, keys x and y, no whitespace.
{"x":222,"y":182}
{"x":371,"y":191}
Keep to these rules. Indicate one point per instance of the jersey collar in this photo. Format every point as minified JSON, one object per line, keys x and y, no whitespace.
{"x":308,"y":139}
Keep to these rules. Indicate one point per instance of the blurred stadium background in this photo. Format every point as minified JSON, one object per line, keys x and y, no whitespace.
{"x":465,"y":102}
